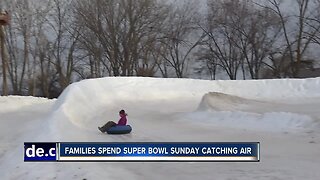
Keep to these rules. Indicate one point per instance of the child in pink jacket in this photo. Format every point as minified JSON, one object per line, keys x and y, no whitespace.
{"x":122,"y":122}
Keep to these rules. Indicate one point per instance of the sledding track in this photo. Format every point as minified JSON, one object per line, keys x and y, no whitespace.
{"x":157,"y":112}
{"x":89,"y":104}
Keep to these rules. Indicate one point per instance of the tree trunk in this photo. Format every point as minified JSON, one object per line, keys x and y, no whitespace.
{"x":4,"y":63}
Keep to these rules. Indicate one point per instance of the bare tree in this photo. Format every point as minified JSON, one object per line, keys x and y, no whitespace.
{"x":180,"y":36}
{"x":4,"y":62}
{"x":259,"y":30}
{"x":65,"y":37}
{"x":4,"y":21}
{"x":121,"y":29}
{"x":299,"y":40}
{"x":24,"y":17}
{"x":222,"y":35}
{"x":22,"y":65}
{"x":314,"y":24}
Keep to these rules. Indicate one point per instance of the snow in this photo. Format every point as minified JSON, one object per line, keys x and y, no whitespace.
{"x":14,"y":103}
{"x":281,"y":114}
{"x":270,"y":122}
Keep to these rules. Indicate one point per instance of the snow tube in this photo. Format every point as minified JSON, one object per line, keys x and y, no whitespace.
{"x":119,"y":129}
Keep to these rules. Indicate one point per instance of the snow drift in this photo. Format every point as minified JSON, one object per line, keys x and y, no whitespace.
{"x":227,"y":110}
{"x":224,"y":102}
{"x":13,"y":103}
{"x":98,"y":100}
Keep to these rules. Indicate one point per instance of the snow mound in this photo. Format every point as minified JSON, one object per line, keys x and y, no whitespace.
{"x":89,"y":103}
{"x":269,"y":122}
{"x":224,"y":102}
{"x":13,"y":103}
{"x":233,"y":111}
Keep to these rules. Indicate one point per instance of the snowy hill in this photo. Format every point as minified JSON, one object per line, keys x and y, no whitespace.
{"x":281,"y":114}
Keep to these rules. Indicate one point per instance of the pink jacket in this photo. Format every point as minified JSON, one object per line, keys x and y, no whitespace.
{"x":122,"y":121}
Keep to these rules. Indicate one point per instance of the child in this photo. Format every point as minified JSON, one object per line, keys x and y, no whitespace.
{"x":122,"y":122}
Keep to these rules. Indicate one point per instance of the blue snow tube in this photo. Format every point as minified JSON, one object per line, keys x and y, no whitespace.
{"x":120,"y":129}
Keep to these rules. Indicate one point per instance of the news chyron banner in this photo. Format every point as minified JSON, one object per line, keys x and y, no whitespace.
{"x":142,"y":152}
